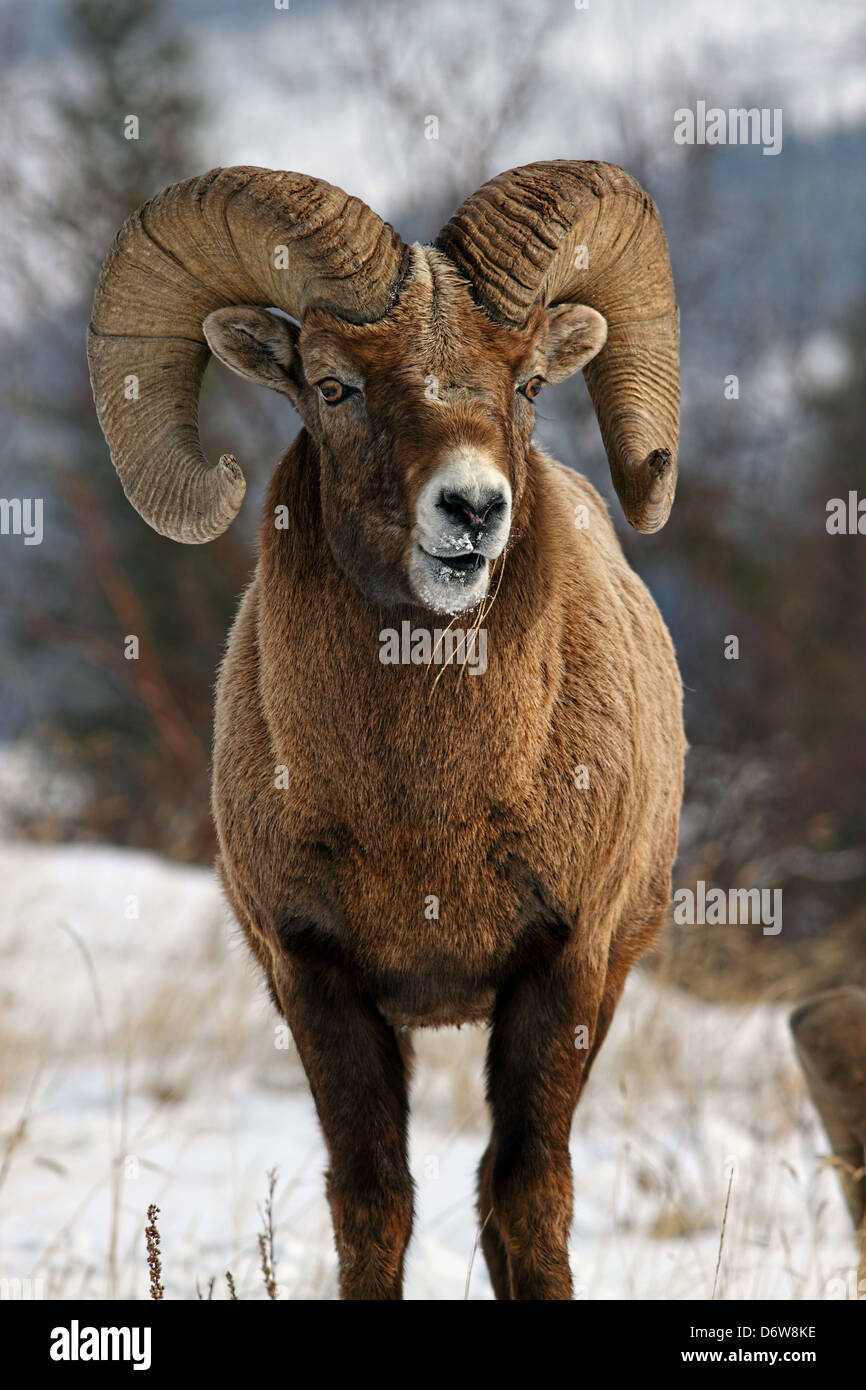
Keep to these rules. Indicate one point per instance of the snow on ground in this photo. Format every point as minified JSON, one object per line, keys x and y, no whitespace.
{"x":139,"y":1063}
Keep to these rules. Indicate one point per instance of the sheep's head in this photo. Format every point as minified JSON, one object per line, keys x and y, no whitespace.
{"x":422,"y":420}
{"x":414,"y":369}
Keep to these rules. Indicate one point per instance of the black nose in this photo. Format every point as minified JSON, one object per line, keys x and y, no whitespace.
{"x":475,"y":512}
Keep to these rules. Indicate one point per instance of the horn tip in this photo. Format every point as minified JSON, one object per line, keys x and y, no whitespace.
{"x":233,"y":474}
{"x":649,"y":490}
{"x":658,"y":462}
{"x":199,"y":527}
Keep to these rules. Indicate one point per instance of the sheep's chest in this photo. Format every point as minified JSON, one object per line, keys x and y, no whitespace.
{"x":433,"y":916}
{"x":435,"y":862}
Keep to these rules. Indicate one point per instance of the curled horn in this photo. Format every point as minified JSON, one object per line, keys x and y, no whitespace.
{"x":581,"y":232}
{"x":232,"y":236}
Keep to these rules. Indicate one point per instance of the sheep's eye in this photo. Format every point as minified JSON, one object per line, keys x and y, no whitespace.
{"x":531,"y":388}
{"x":333,"y":391}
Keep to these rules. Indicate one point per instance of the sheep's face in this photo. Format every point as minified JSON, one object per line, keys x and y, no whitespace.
{"x":423,"y":422}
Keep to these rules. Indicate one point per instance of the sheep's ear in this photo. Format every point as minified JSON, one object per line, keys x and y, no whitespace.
{"x":258,"y":345}
{"x":575,"y":334}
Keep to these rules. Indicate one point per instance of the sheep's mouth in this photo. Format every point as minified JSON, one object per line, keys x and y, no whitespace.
{"x":448,"y":583}
{"x":458,"y":564}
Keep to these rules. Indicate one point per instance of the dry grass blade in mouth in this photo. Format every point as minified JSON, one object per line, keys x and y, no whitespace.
{"x":481,"y":614}
{"x":440,"y":641}
{"x":484,"y":607}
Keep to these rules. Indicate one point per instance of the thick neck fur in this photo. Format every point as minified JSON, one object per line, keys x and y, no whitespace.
{"x":386,"y":732}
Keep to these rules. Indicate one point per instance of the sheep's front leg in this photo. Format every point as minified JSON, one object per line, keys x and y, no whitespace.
{"x":534,"y":1074}
{"x":358,"y":1075}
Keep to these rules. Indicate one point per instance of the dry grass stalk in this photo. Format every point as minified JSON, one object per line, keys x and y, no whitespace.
{"x":154,"y":1259}
{"x":722,"y":1235}
{"x":266,"y":1238}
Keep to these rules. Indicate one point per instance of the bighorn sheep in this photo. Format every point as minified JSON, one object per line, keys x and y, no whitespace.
{"x":830,"y":1038}
{"x":495,"y":849}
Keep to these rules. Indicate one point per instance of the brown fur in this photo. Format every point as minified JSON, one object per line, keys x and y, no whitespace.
{"x":548,"y":893}
{"x":830,"y":1038}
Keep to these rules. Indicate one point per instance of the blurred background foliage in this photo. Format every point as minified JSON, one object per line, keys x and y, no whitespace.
{"x":768,"y":254}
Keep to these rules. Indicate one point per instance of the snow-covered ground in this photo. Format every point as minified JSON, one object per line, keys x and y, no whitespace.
{"x":139,"y":1063}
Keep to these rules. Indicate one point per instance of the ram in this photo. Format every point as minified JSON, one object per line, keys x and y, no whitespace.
{"x":830,"y":1040}
{"x":403,"y":847}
